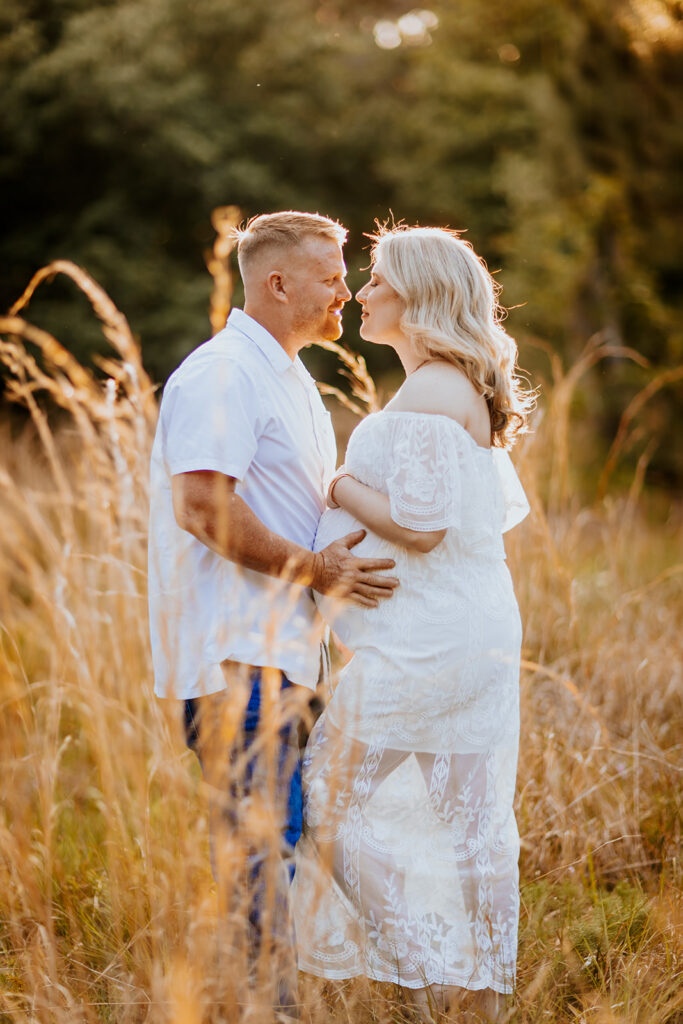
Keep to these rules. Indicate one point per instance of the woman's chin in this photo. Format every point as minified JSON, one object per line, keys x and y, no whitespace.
{"x":365,"y":331}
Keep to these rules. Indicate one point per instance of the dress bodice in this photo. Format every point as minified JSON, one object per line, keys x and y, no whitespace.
{"x":436,"y":477}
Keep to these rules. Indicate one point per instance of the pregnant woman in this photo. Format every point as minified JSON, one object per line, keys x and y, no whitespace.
{"x":407,"y":870}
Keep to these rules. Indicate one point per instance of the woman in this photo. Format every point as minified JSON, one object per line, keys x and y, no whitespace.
{"x":407,"y":871}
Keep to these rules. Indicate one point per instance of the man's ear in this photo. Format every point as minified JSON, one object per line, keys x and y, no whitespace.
{"x":275,"y":283}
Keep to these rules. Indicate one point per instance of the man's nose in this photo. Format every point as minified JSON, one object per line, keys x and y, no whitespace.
{"x":346,"y":293}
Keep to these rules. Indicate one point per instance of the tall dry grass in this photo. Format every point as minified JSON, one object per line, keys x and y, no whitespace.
{"x":107,"y":905}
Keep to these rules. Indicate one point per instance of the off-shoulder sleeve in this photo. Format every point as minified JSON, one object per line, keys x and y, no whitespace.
{"x":424,"y":486}
{"x":440,"y":478}
{"x":515,"y":501}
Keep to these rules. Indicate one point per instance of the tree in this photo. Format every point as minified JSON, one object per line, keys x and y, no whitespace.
{"x":548,"y":131}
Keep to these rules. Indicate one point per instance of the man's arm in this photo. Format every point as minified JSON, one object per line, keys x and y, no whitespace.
{"x":205,"y":504}
{"x":372,"y":508}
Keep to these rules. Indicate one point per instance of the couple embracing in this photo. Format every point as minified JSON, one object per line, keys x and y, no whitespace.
{"x":400,"y":809}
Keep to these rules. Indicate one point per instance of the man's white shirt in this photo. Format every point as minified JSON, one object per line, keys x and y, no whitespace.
{"x":240,"y":406}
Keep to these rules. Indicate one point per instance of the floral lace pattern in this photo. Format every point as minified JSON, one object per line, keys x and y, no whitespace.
{"x":407,"y":870}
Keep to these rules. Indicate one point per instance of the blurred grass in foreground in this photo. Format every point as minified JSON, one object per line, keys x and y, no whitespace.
{"x":107,"y":905}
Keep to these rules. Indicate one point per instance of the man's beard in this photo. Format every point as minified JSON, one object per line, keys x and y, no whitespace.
{"x":318,"y":326}
{"x":333,"y":328}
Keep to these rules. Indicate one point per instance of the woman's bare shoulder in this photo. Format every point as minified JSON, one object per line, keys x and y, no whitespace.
{"x":439,"y":388}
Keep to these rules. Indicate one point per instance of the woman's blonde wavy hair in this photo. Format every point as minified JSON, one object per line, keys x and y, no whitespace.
{"x":452,"y":313}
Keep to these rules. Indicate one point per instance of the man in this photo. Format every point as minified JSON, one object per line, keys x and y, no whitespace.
{"x":242,"y":458}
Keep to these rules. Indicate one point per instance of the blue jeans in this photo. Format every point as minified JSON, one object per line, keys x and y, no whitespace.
{"x":289,"y":764}
{"x":252,"y":764}
{"x":249,"y":749}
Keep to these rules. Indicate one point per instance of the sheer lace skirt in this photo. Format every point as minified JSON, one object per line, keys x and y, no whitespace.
{"x":407,"y":870}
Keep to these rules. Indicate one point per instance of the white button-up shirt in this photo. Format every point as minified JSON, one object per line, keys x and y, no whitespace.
{"x":238,"y":405}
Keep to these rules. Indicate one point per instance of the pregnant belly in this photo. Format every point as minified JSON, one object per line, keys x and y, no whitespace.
{"x":337,"y":522}
{"x":350,"y":622}
{"x":445,"y":608}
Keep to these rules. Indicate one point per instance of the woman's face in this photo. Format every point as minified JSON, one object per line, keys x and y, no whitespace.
{"x":382,"y":309}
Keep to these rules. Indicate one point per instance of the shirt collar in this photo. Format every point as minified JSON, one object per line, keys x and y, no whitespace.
{"x":272,"y":349}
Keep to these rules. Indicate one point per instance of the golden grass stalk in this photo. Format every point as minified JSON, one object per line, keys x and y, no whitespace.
{"x":666,"y":377}
{"x":224,"y":220}
{"x":355,"y":370}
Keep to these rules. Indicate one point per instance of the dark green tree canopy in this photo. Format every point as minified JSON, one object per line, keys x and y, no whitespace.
{"x":551,"y":133}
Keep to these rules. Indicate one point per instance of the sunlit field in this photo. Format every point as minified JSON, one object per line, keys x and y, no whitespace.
{"x":107,"y":904}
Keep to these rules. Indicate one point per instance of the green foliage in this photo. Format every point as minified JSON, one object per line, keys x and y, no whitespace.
{"x":552,"y":133}
{"x":587,"y":936}
{"x":615,"y":924}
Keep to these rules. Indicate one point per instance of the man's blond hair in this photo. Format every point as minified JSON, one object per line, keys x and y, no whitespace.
{"x":282,"y":230}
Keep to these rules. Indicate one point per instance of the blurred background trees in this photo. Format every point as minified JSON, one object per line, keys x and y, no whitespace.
{"x":551,"y":132}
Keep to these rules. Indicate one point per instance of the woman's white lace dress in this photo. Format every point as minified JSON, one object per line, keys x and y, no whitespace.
{"x":407,"y":869}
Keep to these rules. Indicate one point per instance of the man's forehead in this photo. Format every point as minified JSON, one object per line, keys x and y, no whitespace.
{"x":320,"y":252}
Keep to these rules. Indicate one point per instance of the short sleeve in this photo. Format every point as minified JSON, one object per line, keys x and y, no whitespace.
{"x":424,"y":487}
{"x":516,"y":506}
{"x":210,"y":419}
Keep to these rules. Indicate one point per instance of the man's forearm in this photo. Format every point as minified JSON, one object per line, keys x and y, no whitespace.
{"x":236,"y":533}
{"x":205,"y":504}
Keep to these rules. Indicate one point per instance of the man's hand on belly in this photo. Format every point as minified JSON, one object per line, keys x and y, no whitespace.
{"x":340,"y":574}
{"x":206,"y":506}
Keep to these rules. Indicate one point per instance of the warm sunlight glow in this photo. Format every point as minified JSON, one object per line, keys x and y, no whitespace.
{"x":508,"y":53}
{"x":411,"y":28}
{"x":387,"y":35}
{"x":653,"y":23}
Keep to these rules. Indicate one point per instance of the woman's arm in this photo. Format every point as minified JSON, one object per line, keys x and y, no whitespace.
{"x":373,"y":510}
